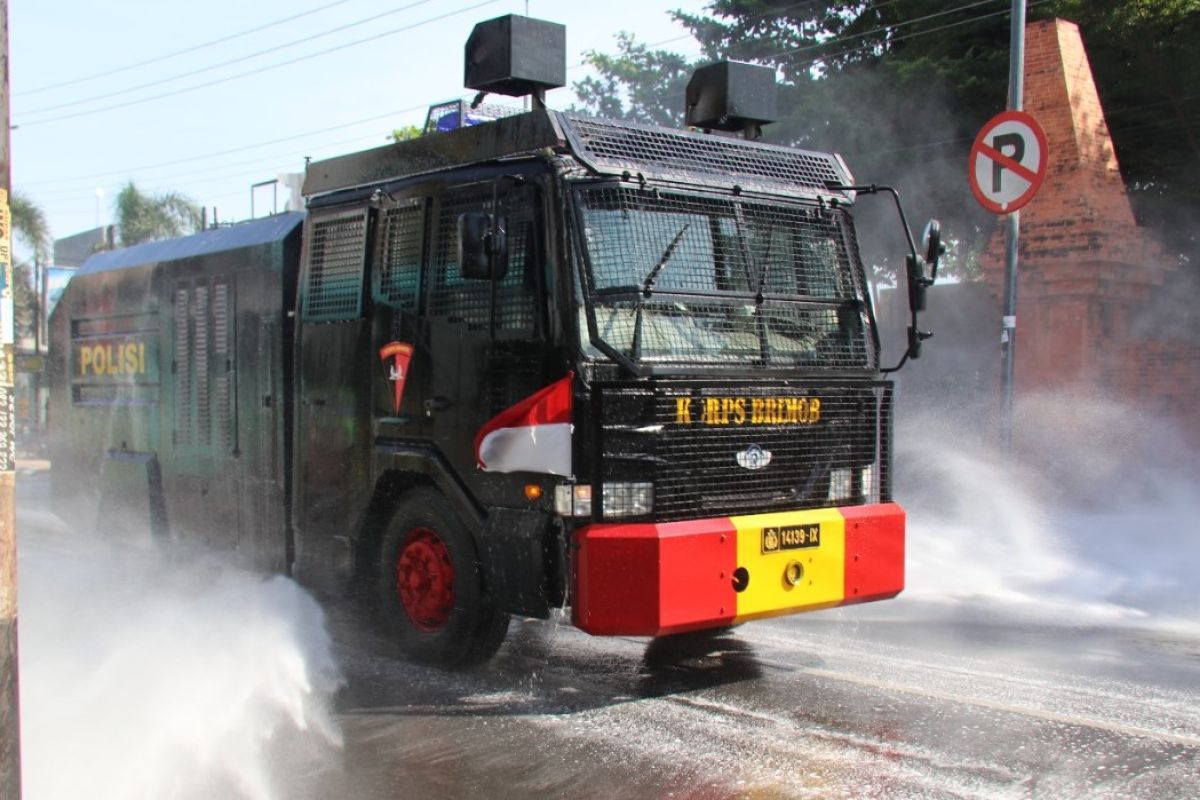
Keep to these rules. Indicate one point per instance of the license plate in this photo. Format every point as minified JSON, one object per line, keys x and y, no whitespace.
{"x":791,"y":537}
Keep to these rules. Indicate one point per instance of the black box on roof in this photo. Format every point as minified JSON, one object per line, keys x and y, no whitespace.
{"x":516,"y":56}
{"x":731,"y":95}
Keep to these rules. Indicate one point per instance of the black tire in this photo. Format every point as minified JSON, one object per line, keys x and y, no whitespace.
{"x":431,"y":594}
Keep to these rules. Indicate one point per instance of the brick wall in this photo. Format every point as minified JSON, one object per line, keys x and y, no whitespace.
{"x":1086,"y":270}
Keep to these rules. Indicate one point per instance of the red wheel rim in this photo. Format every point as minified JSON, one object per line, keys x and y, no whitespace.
{"x":425,"y":579}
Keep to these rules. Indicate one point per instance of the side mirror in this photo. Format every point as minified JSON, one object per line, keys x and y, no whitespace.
{"x":918,"y":282}
{"x":473,"y":261}
{"x":482,"y":246}
{"x":931,"y":243}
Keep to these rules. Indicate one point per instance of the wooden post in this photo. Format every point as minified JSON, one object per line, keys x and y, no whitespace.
{"x":10,"y":718}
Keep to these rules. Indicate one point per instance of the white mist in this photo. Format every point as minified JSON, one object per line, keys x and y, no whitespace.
{"x":1091,"y":521}
{"x":147,"y":678}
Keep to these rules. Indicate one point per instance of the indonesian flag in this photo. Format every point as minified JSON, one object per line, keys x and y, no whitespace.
{"x":532,"y":436}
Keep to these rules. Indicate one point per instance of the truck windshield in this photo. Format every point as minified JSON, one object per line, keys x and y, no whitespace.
{"x":681,"y":279}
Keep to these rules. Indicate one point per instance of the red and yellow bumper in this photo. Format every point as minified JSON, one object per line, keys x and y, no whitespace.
{"x":654,"y":579}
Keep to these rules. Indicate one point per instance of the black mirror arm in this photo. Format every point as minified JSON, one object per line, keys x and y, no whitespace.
{"x":917,"y":282}
{"x":497,"y":238}
{"x":876,"y":189}
{"x":495,"y":211}
{"x":497,"y":234}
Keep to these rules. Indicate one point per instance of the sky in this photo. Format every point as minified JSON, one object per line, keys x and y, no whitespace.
{"x":104,"y":93}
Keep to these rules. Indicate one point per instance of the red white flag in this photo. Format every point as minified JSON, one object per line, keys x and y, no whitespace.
{"x":532,"y":436}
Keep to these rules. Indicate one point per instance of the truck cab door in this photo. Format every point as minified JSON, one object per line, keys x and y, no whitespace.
{"x":334,"y":365}
{"x":475,"y":373}
{"x":403,"y":364}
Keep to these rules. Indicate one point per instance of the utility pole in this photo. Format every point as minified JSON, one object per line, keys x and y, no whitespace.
{"x":1012,"y":232}
{"x":10,"y":717}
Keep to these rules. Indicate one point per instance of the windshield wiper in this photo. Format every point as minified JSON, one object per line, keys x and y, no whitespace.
{"x":652,"y":276}
{"x":648,"y":287}
{"x":762,"y":284}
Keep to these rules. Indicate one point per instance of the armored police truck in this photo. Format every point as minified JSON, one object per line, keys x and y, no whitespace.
{"x":513,"y":365}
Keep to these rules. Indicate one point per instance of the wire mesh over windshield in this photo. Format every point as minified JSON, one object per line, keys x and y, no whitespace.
{"x":687,"y":279}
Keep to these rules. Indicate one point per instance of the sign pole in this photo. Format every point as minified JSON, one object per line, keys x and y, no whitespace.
{"x":1012,"y":232}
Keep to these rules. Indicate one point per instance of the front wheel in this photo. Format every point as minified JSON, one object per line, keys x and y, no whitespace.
{"x":431,"y":589}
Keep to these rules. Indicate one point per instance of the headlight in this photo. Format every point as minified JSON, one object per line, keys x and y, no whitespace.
{"x":842,"y":487}
{"x":841,"y":484}
{"x":870,"y":485}
{"x":573,"y":501}
{"x":628,"y":499}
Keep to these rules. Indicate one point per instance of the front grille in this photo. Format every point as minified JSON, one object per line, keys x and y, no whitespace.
{"x":728,"y":448}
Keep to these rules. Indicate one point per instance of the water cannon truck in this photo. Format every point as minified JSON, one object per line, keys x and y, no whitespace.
{"x":527,"y":361}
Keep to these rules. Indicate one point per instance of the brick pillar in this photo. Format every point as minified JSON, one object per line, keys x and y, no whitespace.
{"x":1085,"y":266}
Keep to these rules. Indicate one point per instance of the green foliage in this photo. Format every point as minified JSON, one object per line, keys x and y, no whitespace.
{"x":25,"y":301}
{"x":900,"y":87}
{"x":144,"y":217}
{"x":1146,"y":58}
{"x":639,"y":84}
{"x":405,"y":132}
{"x":29,"y":227}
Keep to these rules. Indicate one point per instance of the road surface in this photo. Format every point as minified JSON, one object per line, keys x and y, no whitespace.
{"x":899,"y":700}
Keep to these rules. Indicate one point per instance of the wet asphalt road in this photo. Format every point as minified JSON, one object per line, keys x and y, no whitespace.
{"x":892,"y":701}
{"x":804,"y":707}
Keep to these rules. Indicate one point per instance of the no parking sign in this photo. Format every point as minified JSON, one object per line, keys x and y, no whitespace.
{"x":1008,"y":162}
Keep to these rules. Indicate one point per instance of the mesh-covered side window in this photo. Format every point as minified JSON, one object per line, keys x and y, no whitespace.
{"x":336,"y":260}
{"x":469,"y":301}
{"x":519,"y":287}
{"x":401,"y":250}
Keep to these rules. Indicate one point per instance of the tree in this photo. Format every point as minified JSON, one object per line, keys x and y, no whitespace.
{"x":1146,"y":57}
{"x":144,"y":217}
{"x":639,"y":84}
{"x":851,"y":102}
{"x":900,"y":87}
{"x":405,"y":132}
{"x":30,"y":228}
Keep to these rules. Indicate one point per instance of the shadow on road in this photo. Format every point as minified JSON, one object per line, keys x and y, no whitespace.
{"x":544,"y":668}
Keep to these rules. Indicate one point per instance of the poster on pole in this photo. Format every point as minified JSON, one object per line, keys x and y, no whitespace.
{"x":8,"y":422}
{"x":1008,"y":162}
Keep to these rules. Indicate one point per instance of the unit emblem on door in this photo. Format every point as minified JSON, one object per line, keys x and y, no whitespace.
{"x":396,"y":356}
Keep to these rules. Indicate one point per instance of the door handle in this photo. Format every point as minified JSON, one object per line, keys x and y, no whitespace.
{"x":436,"y":403}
